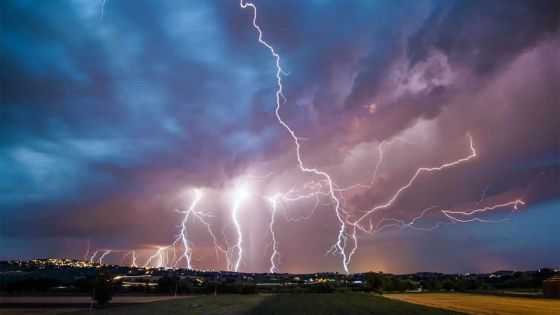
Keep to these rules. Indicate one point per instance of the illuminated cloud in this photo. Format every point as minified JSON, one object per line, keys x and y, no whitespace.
{"x":106,"y":123}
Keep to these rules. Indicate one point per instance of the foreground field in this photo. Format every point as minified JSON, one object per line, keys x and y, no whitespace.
{"x":482,"y":304}
{"x":292,"y":304}
{"x":47,"y":305}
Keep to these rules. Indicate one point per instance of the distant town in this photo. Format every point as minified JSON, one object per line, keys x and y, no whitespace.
{"x":76,"y":276}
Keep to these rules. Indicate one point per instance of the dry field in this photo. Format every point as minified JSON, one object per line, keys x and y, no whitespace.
{"x":482,"y":304}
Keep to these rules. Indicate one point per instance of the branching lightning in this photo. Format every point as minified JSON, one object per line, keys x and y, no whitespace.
{"x":186,"y":245}
{"x":107,"y":252}
{"x":454,"y":215}
{"x":275,"y":254}
{"x":413,"y":178}
{"x":341,"y":240}
{"x":159,"y":259}
{"x":344,"y":238}
{"x":324,"y":188}
{"x":193,"y":215}
{"x":236,"y":251}
{"x":92,"y":258}
{"x":133,"y":264}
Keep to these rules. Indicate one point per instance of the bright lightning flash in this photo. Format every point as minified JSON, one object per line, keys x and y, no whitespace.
{"x":275,"y":254}
{"x":186,"y":245}
{"x":241,"y":194}
{"x":340,"y":245}
{"x":347,"y":239}
{"x":107,"y":252}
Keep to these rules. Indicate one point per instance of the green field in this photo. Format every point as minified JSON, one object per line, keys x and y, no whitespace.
{"x":291,"y":304}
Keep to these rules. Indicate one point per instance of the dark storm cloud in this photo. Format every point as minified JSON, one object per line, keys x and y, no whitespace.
{"x":104,"y":122}
{"x":482,"y":35}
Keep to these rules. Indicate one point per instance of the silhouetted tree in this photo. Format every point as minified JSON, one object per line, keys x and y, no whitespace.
{"x":167,"y":284}
{"x":376,"y":282}
{"x":103,"y":291}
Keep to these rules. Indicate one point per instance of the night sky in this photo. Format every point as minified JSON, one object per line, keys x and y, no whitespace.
{"x":113,"y":115}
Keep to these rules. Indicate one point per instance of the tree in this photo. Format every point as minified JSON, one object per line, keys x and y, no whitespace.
{"x":449,"y":284}
{"x":431,"y":284}
{"x":524,"y":280}
{"x":376,"y":282}
{"x":167,"y":284}
{"x":103,"y":291}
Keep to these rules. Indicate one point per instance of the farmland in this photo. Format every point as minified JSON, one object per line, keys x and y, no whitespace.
{"x":482,"y":304}
{"x":292,"y":304}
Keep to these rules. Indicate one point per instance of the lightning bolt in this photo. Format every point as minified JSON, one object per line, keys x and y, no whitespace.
{"x":132,"y":255}
{"x":107,"y":252}
{"x":240,"y":194}
{"x":186,"y":245}
{"x":191,"y":212}
{"x":346,"y":241}
{"x":134,"y":259}
{"x":275,"y":254}
{"x":341,"y":240}
{"x":124,"y":256}
{"x":356,"y":224}
{"x":88,"y":246}
{"x":102,"y":9}
{"x":452,"y":215}
{"x":421,"y":170}
{"x":91,"y":259}
{"x":161,"y":257}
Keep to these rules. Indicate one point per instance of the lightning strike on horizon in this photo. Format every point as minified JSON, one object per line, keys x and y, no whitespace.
{"x":186,"y":245}
{"x":275,"y":256}
{"x":107,"y":252}
{"x":134,"y":259}
{"x":346,"y":242}
{"x":239,"y":195}
{"x":191,"y":212}
{"x":162,"y":258}
{"x":340,"y":244}
{"x":88,"y":247}
{"x":91,"y":259}
{"x":124,"y":256}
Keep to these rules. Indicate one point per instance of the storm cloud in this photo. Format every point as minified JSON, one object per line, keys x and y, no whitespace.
{"x":107,"y":125}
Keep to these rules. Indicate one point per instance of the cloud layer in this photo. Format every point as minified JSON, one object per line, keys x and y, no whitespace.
{"x":107,"y":126}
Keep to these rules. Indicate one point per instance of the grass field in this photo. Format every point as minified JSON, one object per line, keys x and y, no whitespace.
{"x":292,"y":304}
{"x":482,"y":304}
{"x":51,"y":305}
